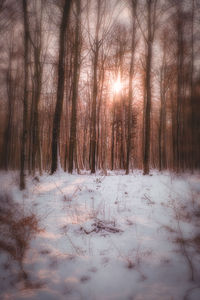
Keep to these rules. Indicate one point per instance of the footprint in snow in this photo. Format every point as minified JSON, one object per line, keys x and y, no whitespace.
{"x":105,"y":260}
{"x":84,"y":278}
{"x":93,"y":270}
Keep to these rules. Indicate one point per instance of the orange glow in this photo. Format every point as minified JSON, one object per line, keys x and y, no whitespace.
{"x":117,"y":86}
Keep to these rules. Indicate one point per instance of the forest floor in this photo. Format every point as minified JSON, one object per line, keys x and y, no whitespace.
{"x":98,"y":237}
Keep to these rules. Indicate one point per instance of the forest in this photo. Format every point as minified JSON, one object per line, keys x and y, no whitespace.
{"x":99,"y":85}
{"x":100,"y":134}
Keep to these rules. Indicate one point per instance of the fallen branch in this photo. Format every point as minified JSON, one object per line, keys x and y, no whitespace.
{"x":100,"y":225}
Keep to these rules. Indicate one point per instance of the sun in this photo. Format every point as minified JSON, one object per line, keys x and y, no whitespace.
{"x":117,"y":86}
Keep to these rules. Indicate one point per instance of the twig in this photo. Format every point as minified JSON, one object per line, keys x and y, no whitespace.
{"x":182,"y":243}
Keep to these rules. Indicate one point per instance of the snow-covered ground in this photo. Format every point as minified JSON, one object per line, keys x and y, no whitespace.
{"x":100,"y":237}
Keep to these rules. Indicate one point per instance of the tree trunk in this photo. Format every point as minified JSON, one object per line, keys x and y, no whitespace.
{"x":95,"y":91}
{"x":60,"y":87}
{"x":72,"y":144}
{"x":130,"y":91}
{"x":25,"y":97}
{"x":147,"y":97}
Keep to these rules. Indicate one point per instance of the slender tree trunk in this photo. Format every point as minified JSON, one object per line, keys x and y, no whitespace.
{"x":94,"y":105}
{"x":113,"y":138}
{"x":60,"y":87}
{"x":180,"y":58}
{"x":95,"y":91}
{"x":162,"y":114}
{"x":25,"y":97}
{"x":98,"y":117}
{"x":130,"y":90}
{"x":6,"y":153}
{"x":147,"y":109}
{"x":69,"y":65}
{"x":67,"y":138}
{"x":192,"y":153}
{"x":38,"y":87}
{"x":72,"y":144}
{"x":147,"y":97}
{"x":162,"y":144}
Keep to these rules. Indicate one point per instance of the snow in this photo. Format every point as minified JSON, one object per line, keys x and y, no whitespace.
{"x":107,"y":237}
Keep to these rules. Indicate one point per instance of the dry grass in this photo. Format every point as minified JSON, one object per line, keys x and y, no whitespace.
{"x":16,"y":231}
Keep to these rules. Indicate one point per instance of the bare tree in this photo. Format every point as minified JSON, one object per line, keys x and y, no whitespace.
{"x":165,"y":80}
{"x":97,"y":44}
{"x":133,"y":4}
{"x":60,"y":86}
{"x":192,"y":84}
{"x":11,"y":90}
{"x":72,"y":144}
{"x":36,"y":42}
{"x":25,"y":96}
{"x":151,"y":22}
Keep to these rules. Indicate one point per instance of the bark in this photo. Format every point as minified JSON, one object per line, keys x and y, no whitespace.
{"x":38,"y":86}
{"x":162,"y":129}
{"x":60,"y":86}
{"x":25,"y":96}
{"x":130,"y":91}
{"x":95,"y":91}
{"x":11,"y":89}
{"x":113,"y":138}
{"x":192,"y":159}
{"x":162,"y":114}
{"x":151,"y":6}
{"x":72,"y":144}
{"x":180,"y":62}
